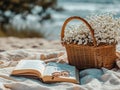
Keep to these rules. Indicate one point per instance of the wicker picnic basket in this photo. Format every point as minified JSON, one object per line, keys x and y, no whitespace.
{"x":85,"y":56}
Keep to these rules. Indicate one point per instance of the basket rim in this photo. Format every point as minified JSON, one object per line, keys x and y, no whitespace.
{"x":81,"y":45}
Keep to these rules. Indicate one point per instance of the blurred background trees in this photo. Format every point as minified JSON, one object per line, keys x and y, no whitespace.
{"x":10,"y":9}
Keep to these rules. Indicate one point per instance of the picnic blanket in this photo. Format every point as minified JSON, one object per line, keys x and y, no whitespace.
{"x":94,"y":79}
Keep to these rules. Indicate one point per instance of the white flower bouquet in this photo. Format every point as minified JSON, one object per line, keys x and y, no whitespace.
{"x":106,"y":31}
{"x":93,"y":43}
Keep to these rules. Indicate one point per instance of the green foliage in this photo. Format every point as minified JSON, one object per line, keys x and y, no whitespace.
{"x":21,"y":33}
{"x":23,"y":7}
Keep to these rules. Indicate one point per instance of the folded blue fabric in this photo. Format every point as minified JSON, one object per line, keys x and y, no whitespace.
{"x":88,"y":74}
{"x":86,"y":79}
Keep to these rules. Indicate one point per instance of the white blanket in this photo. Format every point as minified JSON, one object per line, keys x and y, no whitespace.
{"x":110,"y":80}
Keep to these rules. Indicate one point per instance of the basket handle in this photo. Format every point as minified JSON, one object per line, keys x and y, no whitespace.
{"x":83,"y":20}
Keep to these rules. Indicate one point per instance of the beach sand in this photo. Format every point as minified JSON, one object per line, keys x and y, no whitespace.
{"x":12,"y":43}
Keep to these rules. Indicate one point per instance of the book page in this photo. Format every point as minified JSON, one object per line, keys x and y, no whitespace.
{"x":31,"y":65}
{"x":57,"y":67}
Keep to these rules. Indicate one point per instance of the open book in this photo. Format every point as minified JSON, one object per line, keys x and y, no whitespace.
{"x":50,"y":72}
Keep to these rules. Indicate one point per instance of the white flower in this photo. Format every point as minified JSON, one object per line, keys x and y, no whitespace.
{"x":79,"y":42}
